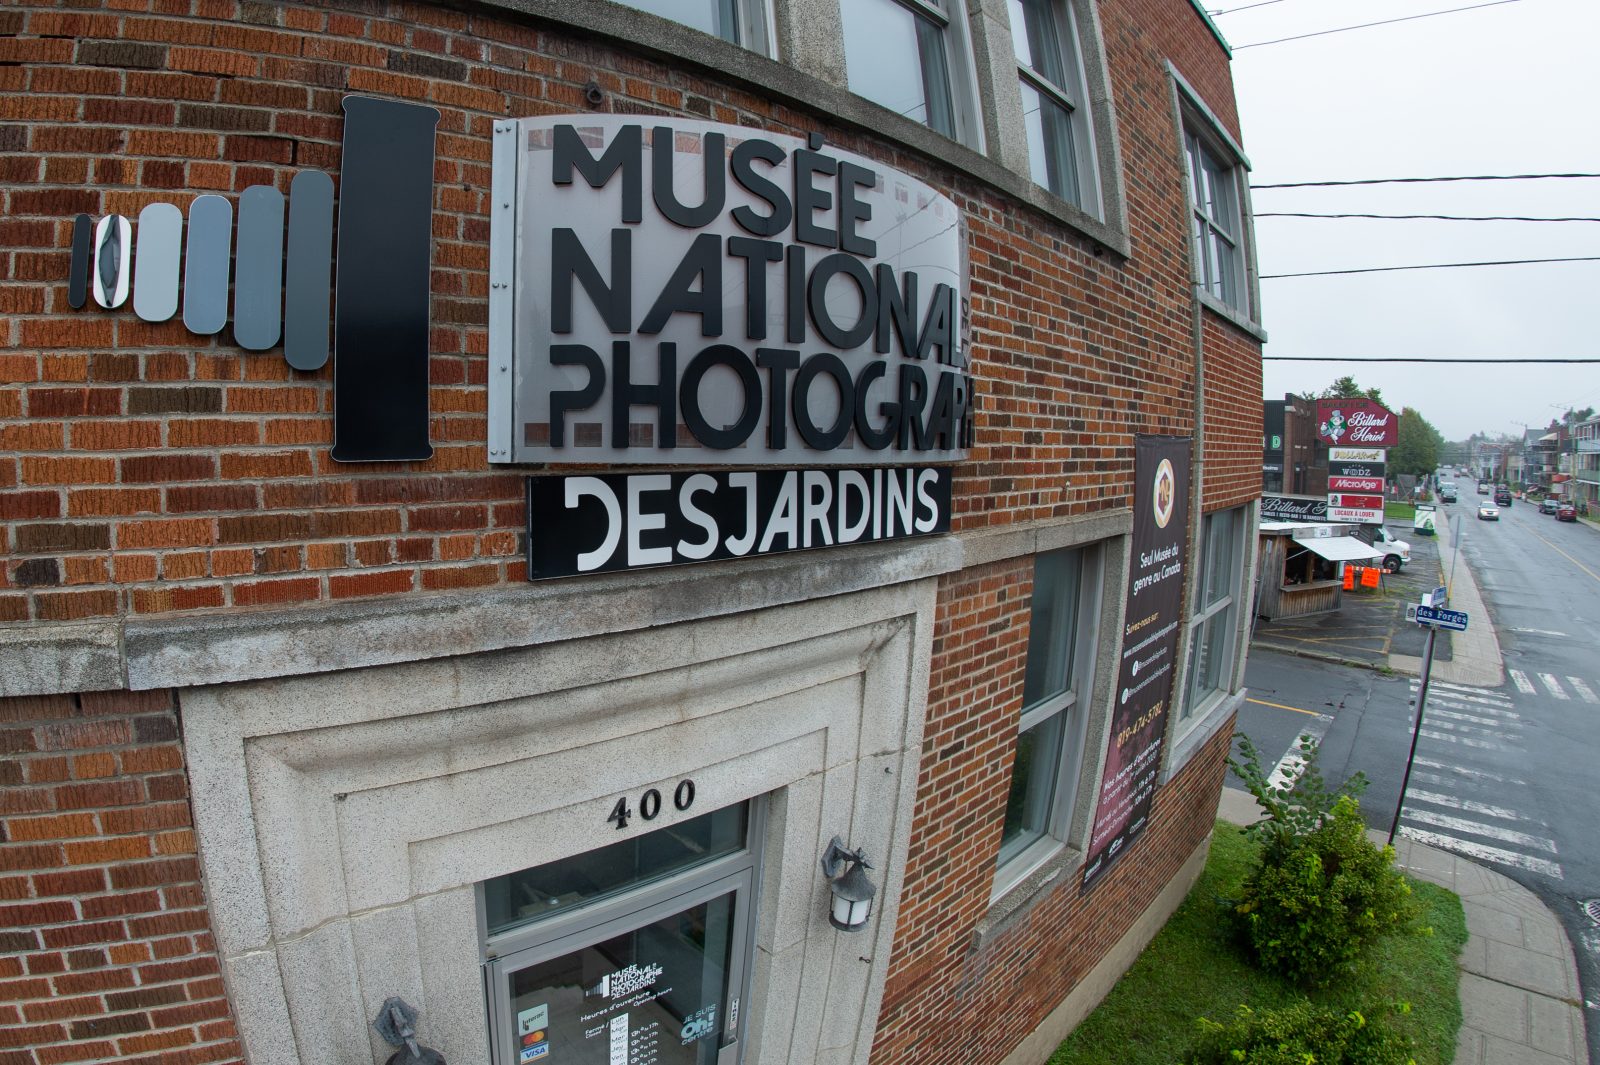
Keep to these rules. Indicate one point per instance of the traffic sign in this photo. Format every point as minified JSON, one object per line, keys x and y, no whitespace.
{"x":1437,"y":597}
{"x":1444,"y":619}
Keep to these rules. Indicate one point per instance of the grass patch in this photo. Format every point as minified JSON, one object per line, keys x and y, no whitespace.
{"x":1399,"y":510}
{"x":1193,"y":968}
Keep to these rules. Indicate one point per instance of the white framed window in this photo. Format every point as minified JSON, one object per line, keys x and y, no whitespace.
{"x":1217,"y":219}
{"x":1055,"y":701}
{"x":743,"y":22}
{"x":1214,"y":622}
{"x":1061,"y":153}
{"x":911,"y":56}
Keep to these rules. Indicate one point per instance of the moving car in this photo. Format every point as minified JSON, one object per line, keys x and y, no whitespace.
{"x":1549,"y":505}
{"x":1567,"y":512}
{"x":1396,"y":551}
{"x":1483,"y":489}
{"x":1447,"y":492}
{"x":1488,"y":512}
{"x":1502,"y":496}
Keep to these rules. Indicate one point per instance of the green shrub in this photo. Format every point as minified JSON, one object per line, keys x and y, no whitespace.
{"x":1294,"y":810}
{"x":1301,"y":1034}
{"x":1314,"y":909}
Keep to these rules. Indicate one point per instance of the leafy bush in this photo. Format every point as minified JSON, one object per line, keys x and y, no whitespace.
{"x":1312,"y":912}
{"x":1293,"y":810}
{"x":1301,"y":1034}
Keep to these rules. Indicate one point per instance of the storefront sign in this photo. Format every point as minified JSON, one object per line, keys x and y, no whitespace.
{"x":1355,"y":484}
{"x":1356,"y":423}
{"x":1293,"y":508}
{"x":1356,"y":515}
{"x":1356,"y":454}
{"x":665,"y":291}
{"x":608,"y":522}
{"x":1149,"y":649}
{"x":1356,"y":476}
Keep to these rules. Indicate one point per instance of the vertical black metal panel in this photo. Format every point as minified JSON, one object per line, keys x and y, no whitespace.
{"x":78,"y":279}
{"x":310,"y":270}
{"x":258,"y":269}
{"x":205,"y":268}
{"x":380,"y":331}
{"x":155,"y":263}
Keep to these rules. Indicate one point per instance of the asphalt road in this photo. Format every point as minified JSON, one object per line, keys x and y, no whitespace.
{"x":1505,"y":776}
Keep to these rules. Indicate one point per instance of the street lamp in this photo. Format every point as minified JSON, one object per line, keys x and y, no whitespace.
{"x":852,"y":891}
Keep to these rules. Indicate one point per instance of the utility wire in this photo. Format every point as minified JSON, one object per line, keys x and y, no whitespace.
{"x":1432,"y":266}
{"x":1368,"y":25}
{"x":1415,"y":180}
{"x":1430,"y":217}
{"x":1415,"y":358}
{"x":1245,"y":7}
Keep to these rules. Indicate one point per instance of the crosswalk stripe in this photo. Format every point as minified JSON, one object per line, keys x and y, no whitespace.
{"x":1477,"y":828}
{"x":1474,"y":708}
{"x":1453,"y":803}
{"x":1454,"y":715}
{"x":1549,"y":681}
{"x":1477,"y":700}
{"x":1444,"y":720}
{"x":1489,"y":694}
{"x":1487,"y":853}
{"x":1290,"y":766}
{"x":1464,"y":741}
{"x":1470,"y":773}
{"x":1520,"y":679}
{"x":1584,"y":691}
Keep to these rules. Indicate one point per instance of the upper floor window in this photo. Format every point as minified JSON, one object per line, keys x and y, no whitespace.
{"x":908,"y":55}
{"x":741,"y":21}
{"x":1217,"y":220}
{"x":1060,"y":138}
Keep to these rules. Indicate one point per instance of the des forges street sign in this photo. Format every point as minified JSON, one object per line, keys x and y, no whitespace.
{"x":1444,"y":619}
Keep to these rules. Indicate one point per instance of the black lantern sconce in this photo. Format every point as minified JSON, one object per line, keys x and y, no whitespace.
{"x":852,"y":891}
{"x":397,"y":1023}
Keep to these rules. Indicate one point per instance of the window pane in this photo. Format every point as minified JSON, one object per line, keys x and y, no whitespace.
{"x":1050,"y":146}
{"x":936,"y":78}
{"x":1033,"y":785}
{"x":1226,"y":283}
{"x":883,"y":51}
{"x":1222,"y":554}
{"x":1037,"y":42}
{"x":657,"y":993}
{"x":1053,"y":626}
{"x":709,"y":16}
{"x":533,"y":894}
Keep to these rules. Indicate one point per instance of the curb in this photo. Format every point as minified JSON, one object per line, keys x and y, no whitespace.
{"x":1319,"y":656}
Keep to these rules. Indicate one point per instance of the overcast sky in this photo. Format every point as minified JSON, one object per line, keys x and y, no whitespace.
{"x":1508,"y":89}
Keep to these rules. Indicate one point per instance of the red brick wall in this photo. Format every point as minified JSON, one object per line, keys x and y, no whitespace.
{"x":1233,"y":418}
{"x":105,"y":948}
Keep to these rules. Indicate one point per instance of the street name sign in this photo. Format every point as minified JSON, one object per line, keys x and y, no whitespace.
{"x":1444,"y":619}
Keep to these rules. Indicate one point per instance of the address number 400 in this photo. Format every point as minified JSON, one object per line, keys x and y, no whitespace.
{"x":650,"y":804}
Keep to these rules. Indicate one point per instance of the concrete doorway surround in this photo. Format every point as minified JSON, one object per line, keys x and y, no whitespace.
{"x":345,"y":817}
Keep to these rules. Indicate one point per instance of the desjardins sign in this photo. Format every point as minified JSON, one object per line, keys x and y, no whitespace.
{"x":668,"y":292}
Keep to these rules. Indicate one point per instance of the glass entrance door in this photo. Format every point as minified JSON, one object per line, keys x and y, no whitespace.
{"x":648,"y":971}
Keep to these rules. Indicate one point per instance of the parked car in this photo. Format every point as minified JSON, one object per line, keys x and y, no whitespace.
{"x":1397,"y":552}
{"x":1488,"y":512}
{"x":1549,"y":505}
{"x":1483,"y":489}
{"x":1567,"y":512}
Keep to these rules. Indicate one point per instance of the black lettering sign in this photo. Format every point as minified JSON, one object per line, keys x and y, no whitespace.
{"x":609,"y":522}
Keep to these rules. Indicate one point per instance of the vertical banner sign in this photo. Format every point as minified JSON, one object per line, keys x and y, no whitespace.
{"x":1149,"y":649}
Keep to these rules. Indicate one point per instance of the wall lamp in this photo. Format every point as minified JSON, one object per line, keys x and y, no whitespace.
{"x":852,"y":891}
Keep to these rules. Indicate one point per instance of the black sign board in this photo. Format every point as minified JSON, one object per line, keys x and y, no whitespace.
{"x":1294,"y":508}
{"x":1149,"y":649}
{"x":1355,"y":469}
{"x":607,"y":522}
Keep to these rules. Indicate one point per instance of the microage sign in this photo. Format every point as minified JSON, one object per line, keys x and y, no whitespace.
{"x":689,"y":293}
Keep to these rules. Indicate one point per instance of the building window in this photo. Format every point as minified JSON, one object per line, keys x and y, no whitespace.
{"x":1217,"y":229}
{"x":907,"y":55}
{"x":1215,"y":619}
{"x":741,"y":21}
{"x":1060,"y":141}
{"x":1055,"y":698}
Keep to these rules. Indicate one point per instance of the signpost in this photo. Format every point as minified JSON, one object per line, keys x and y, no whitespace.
{"x":1431,"y":612}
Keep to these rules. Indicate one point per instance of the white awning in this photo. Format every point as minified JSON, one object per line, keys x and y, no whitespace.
{"x":1340,"y":548}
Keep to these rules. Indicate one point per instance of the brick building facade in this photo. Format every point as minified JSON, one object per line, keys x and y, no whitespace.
{"x":272,"y":722}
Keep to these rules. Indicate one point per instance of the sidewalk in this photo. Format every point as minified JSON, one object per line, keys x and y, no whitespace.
{"x":1520,"y":1002}
{"x":1475,"y":658}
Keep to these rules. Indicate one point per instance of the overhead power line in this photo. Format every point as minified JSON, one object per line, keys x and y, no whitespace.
{"x":1433,"y":266}
{"x":1368,"y":25}
{"x":1429,"y":217}
{"x":1420,"y":358}
{"x":1242,"y":7}
{"x":1418,"y":180}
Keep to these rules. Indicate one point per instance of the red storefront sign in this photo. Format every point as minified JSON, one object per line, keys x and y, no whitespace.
{"x":1355,"y":484}
{"x":1356,"y":423}
{"x":1356,"y":502}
